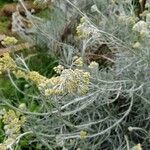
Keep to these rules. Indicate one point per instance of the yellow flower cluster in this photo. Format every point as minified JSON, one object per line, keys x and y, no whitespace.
{"x":137,"y":147}
{"x":35,"y":77}
{"x":3,"y":146}
{"x":93,"y":65}
{"x":22,"y":106}
{"x":59,"y":69}
{"x":20,"y":74}
{"x":9,"y":41}
{"x":83,"y":30}
{"x":127,"y":19}
{"x":78,"y":61}
{"x":140,"y":26}
{"x":114,"y":1}
{"x":49,"y":92}
{"x":48,"y":87}
{"x":94,"y":8}
{"x":7,"y":63}
{"x":12,"y":123}
{"x":12,"y":126}
{"x":69,"y":81}
{"x":75,"y":80}
{"x":31,"y":75}
{"x":136,"y":45}
{"x":83,"y":134}
{"x":143,"y":27}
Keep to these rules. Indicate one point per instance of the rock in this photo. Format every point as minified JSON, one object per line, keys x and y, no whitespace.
{"x":8,"y":9}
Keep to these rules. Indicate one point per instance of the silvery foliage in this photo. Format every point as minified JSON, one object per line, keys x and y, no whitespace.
{"x":119,"y":96}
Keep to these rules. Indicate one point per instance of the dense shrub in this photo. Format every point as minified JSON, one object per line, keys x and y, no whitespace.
{"x":99,"y":95}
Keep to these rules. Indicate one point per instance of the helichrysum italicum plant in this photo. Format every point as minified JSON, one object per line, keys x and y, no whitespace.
{"x":90,"y":108}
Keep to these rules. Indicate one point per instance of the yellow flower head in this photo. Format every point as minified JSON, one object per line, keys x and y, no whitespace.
{"x":137,"y":147}
{"x":12,"y":123}
{"x":127,"y":19}
{"x":83,"y":30}
{"x":22,"y":106}
{"x":136,"y":45}
{"x":7,"y":63}
{"x":20,"y":74}
{"x":83,"y":134}
{"x":79,"y":62}
{"x":69,"y":81}
{"x":93,"y":65}
{"x":59,"y":69}
{"x":141,"y":27}
{"x":36,"y":77}
{"x":83,"y":19}
{"x":9,"y":41}
{"x":49,"y":92}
